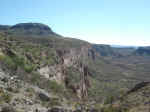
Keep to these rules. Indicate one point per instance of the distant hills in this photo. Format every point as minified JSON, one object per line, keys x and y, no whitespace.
{"x":104,"y":50}
{"x":32,"y":29}
{"x":108,"y":50}
{"x":143,"y":51}
{"x":123,"y":46}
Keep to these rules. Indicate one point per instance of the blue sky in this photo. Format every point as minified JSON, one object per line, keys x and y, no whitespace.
{"x":123,"y":22}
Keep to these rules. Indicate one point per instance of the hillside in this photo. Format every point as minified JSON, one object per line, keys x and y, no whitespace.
{"x":137,"y":99}
{"x":143,"y":51}
{"x":28,"y":29}
{"x":70,"y":73}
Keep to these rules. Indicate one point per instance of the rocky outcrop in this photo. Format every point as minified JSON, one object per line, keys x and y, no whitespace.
{"x":67,"y":59}
{"x":43,"y":97}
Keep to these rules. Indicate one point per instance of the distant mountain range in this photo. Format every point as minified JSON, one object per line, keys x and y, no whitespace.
{"x":124,"y":46}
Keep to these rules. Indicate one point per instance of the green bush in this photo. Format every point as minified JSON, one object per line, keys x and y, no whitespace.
{"x":109,"y":100}
{"x":73,"y":76}
{"x":9,"y":62}
{"x":14,"y":62}
{"x":8,"y":109}
{"x":55,"y":87}
{"x":14,"y":90}
{"x":19,"y":61}
{"x":28,"y":68}
{"x":5,"y":97}
{"x":35,"y":78}
{"x":30,"y":90}
{"x":113,"y":109}
{"x":1,"y":56}
{"x":52,"y":103}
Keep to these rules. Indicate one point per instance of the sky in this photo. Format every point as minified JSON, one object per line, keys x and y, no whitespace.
{"x":120,"y":22}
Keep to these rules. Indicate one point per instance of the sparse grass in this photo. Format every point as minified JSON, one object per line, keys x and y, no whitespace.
{"x":8,"y":109}
{"x":52,"y":103}
{"x":14,"y":90}
{"x":113,"y":109}
{"x":5,"y":96}
{"x":9,"y":62}
{"x":73,"y":76}
{"x":29,"y":68}
{"x":30,"y":92}
{"x":55,"y":87}
{"x":35,"y":78}
{"x":2,"y":56}
{"x":109,"y":100}
{"x":14,"y":62}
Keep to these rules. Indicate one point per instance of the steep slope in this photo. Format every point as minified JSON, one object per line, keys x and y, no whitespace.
{"x":57,"y":65}
{"x":138,"y":98}
{"x":73,"y":64}
{"x":37,"y":57}
{"x":77,"y":72}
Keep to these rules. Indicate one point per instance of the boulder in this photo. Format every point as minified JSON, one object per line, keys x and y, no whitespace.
{"x":43,"y":97}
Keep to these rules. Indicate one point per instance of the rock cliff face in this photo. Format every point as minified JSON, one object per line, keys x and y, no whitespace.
{"x":40,"y":76}
{"x":73,"y":59}
{"x":68,"y":67}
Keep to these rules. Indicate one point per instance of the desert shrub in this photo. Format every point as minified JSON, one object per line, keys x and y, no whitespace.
{"x":109,"y":100}
{"x":9,"y":62}
{"x":73,"y":76}
{"x":5,"y":97}
{"x":35,"y":78}
{"x":19,"y":61}
{"x":14,"y":90}
{"x":55,"y":87}
{"x":30,"y":92}
{"x":113,"y":109}
{"x":29,"y":68}
{"x":8,"y":109}
{"x":1,"y":56}
{"x":54,"y":102}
